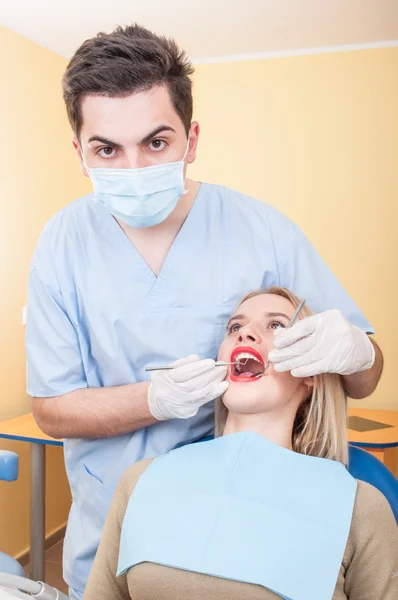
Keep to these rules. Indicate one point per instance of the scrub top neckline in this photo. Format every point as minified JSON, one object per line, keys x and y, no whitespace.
{"x":114,"y":230}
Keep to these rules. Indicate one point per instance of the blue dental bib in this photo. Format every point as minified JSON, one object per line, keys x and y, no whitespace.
{"x":242,"y":508}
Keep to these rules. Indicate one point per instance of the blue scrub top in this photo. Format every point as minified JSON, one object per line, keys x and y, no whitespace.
{"x":97,"y":315}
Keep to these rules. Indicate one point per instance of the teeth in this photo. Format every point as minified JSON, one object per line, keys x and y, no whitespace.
{"x":243,"y":355}
{"x":242,"y":358}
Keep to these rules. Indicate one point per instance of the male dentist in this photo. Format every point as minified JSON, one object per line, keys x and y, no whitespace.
{"x":146,"y":270}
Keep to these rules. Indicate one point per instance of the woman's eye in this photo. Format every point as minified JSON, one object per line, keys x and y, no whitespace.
{"x":157,"y":145}
{"x":234,"y":328}
{"x":106,"y":152}
{"x":276,"y":325}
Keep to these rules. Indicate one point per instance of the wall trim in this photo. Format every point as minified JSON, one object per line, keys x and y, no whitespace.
{"x":55,"y":536}
{"x":299,"y":52}
{"x":232,"y":57}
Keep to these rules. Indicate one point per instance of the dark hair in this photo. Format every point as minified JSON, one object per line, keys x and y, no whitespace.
{"x":128,"y":60}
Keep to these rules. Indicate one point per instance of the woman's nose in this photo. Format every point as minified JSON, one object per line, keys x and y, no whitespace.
{"x":248,"y":334}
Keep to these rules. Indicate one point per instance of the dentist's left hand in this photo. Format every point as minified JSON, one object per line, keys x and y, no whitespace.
{"x":179,"y":393}
{"x":322,"y":343}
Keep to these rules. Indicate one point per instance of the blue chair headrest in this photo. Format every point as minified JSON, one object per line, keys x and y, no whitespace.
{"x":366,"y":467}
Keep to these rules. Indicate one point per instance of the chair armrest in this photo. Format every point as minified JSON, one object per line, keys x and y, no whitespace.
{"x":8,"y":466}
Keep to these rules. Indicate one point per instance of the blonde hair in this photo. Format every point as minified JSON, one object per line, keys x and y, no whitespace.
{"x":320,"y":425}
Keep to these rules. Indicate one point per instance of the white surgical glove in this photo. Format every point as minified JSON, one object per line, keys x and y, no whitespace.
{"x":179,"y":393}
{"x":323,"y":343}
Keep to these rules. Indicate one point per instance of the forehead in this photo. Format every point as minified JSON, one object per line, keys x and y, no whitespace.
{"x":133,"y":116}
{"x":258,"y":305}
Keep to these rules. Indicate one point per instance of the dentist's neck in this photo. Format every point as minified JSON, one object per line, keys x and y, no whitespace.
{"x":275,"y":427}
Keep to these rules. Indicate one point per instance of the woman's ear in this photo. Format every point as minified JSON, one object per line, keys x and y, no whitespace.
{"x":309,"y":382}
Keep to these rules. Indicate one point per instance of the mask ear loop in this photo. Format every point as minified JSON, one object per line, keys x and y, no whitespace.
{"x":86,"y":167}
{"x":183,"y":161}
{"x":186,"y":149}
{"x":84,"y":162}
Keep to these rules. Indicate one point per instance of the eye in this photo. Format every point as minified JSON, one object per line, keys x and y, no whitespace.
{"x":106,"y":152}
{"x":234,"y":328}
{"x":157,"y":145}
{"x":276,"y":325}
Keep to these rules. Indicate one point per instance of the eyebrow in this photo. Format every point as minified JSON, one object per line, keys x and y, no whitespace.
{"x":155,"y":132}
{"x":267,"y":314}
{"x":99,"y":138}
{"x":277,"y":314}
{"x":145,"y":140}
{"x":235,"y":318}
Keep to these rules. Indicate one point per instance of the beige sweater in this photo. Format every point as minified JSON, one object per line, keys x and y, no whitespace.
{"x":369,"y":570}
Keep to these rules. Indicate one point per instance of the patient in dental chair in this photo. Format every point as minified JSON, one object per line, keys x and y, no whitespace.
{"x":267,"y":509}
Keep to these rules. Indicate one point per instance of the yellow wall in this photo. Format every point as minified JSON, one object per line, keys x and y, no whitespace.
{"x":316,"y":136}
{"x":39,"y":175}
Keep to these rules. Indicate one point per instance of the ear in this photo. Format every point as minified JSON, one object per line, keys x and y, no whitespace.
{"x":309,"y":382}
{"x":193,"y":141}
{"x":78,"y":150}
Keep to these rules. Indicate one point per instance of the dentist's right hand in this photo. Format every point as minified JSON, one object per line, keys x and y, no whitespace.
{"x":179,"y":393}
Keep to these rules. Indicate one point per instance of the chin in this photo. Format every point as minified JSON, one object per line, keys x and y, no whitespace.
{"x":240,"y":402}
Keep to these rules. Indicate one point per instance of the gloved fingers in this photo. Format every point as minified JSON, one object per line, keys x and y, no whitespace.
{"x":181,"y":403}
{"x":285,"y":337}
{"x":210,"y":378}
{"x":298,"y":348}
{"x":200,"y":382}
{"x":218,"y":391}
{"x":194,"y":388}
{"x":191,"y":370}
{"x":186,"y":360}
{"x":214,"y":375}
{"x":212,"y":392}
{"x":221,"y":389}
{"x":294,"y":363}
{"x":315,"y":368}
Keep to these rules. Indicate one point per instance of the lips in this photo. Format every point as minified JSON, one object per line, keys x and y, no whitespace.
{"x":249,"y":365}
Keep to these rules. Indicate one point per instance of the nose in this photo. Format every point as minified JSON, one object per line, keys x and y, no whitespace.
{"x":133,"y":160}
{"x":248,"y":333}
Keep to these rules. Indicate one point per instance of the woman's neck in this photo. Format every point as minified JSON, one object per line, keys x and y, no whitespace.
{"x":275,"y":427}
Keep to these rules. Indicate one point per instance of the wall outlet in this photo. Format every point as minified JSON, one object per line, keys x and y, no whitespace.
{"x":24,"y":314}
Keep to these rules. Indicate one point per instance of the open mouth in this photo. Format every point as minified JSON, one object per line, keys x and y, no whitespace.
{"x":248,"y":365}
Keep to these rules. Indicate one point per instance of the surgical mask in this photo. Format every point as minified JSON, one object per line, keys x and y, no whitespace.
{"x":140,"y":197}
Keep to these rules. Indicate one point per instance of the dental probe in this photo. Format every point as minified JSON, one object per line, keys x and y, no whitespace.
{"x":219,"y":363}
{"x":291,"y":323}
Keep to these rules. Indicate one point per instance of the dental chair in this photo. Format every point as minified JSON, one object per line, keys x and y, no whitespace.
{"x":366,"y":467}
{"x":13,"y":581}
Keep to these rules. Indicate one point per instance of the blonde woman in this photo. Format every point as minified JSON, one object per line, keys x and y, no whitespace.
{"x":267,"y":510}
